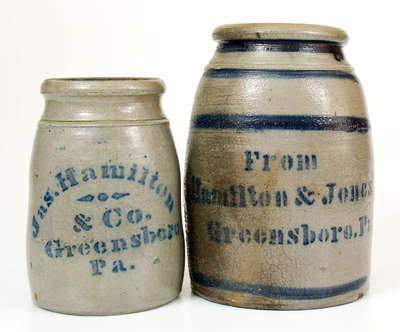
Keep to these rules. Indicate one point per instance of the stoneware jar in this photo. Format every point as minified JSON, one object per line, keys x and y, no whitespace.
{"x":279,"y":172}
{"x":104,"y":230}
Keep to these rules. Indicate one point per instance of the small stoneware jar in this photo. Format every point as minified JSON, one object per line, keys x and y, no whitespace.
{"x":279,"y":179}
{"x":104,"y":230}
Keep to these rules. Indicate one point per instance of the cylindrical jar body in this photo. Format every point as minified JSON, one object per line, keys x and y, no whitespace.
{"x":104,"y":230}
{"x":279,"y":171}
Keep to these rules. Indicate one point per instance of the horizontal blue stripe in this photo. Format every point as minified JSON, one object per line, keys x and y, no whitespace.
{"x":280,"y":45}
{"x":276,"y":292}
{"x":244,"y":122}
{"x":278,"y":73}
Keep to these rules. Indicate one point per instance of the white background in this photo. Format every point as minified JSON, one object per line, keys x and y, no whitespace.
{"x":172,"y":40}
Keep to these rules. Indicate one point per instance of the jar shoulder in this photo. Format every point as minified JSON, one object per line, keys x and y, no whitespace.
{"x":82,"y":146}
{"x":264,"y":91}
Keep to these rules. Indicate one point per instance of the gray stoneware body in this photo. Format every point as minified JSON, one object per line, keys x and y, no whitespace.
{"x":279,"y":175}
{"x":104,"y":229}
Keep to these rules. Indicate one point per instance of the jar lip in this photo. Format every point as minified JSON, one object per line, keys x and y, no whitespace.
{"x":283,"y":31}
{"x":103,"y":86}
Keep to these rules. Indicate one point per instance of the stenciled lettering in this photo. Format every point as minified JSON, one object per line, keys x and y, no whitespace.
{"x":303,"y":235}
{"x":70,"y":178}
{"x":57,"y":249}
{"x":253,"y":196}
{"x":287,"y":162}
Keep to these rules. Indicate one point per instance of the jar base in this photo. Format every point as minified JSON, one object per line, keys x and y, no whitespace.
{"x":249,"y":301}
{"x":66,"y":311}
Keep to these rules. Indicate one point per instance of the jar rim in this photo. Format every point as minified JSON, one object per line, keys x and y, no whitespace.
{"x":103,"y":86}
{"x":282,"y":31}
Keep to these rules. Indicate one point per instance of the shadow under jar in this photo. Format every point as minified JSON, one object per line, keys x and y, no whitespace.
{"x":104,"y":231}
{"x":278,"y":183}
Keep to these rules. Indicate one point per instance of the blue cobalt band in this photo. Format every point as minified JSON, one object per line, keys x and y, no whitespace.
{"x":280,"y":45}
{"x":279,"y":73}
{"x":276,"y":292}
{"x":260,"y":122}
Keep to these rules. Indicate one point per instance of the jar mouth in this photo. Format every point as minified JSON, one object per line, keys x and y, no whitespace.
{"x":103,"y":86}
{"x":279,"y":31}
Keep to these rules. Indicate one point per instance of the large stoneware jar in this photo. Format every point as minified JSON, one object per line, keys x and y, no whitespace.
{"x":279,"y":179}
{"x":104,"y":231}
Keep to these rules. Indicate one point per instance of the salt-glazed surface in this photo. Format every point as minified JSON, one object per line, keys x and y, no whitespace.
{"x":104,"y":231}
{"x":279,"y":178}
